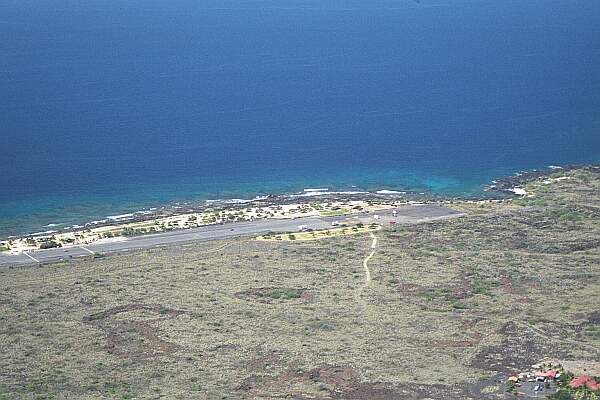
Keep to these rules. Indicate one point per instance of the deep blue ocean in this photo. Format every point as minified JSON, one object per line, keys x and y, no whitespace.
{"x":107,"y":107}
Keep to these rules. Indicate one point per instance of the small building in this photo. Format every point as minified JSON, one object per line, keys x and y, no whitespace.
{"x":584,"y":380}
{"x":550,"y":374}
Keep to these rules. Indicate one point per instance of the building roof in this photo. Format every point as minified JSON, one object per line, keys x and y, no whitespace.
{"x":551,"y":373}
{"x":584,"y":380}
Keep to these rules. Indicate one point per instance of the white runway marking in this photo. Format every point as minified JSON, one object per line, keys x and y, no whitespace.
{"x":88,"y":250}
{"x":33,"y":258}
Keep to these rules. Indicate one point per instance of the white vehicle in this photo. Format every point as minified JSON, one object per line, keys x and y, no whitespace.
{"x":335,"y":223}
{"x":303,"y":228}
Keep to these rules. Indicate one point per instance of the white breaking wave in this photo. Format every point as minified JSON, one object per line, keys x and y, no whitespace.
{"x":518,"y":191}
{"x":310,"y":190}
{"x":389,"y":192}
{"x":325,"y":192}
{"x":119,"y":217}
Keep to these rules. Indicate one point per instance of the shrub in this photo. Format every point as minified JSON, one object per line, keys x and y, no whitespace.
{"x":482,"y":287}
{"x":457,"y":304}
{"x":510,"y":387}
{"x":593,"y":331}
{"x":284,"y":294}
{"x":49,"y":244}
{"x":562,"y":394}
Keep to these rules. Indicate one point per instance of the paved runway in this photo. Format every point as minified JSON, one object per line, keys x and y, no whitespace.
{"x":405,"y":214}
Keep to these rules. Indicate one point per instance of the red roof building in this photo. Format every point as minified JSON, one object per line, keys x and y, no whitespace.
{"x":547,"y":374}
{"x":584,"y":380}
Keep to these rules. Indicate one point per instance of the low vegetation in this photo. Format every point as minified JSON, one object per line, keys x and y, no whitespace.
{"x":49,"y":244}
{"x":320,"y":234}
{"x":452,"y":309}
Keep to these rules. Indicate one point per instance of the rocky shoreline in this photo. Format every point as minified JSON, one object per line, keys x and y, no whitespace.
{"x":507,"y":184}
{"x":500,"y":189}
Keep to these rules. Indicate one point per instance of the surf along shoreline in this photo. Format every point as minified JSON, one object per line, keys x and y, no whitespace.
{"x":311,"y":202}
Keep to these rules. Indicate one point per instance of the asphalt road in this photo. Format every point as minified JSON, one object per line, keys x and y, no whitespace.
{"x":404,"y":214}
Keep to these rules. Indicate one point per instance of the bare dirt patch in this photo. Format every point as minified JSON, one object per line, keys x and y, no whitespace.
{"x":518,"y":348}
{"x":345,"y":383}
{"x":594,"y":318}
{"x":132,"y":333}
{"x":325,"y":382}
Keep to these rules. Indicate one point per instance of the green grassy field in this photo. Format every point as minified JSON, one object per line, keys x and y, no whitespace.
{"x":452,"y":308}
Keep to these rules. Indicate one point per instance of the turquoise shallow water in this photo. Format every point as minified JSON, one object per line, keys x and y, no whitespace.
{"x":56,"y":212}
{"x":109,"y":108}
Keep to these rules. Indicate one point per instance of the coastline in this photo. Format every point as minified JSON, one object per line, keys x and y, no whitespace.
{"x":120,"y":227}
{"x":311,"y":202}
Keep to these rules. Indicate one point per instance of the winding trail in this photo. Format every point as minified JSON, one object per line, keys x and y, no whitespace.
{"x":367,"y":283}
{"x":366,"y":260}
